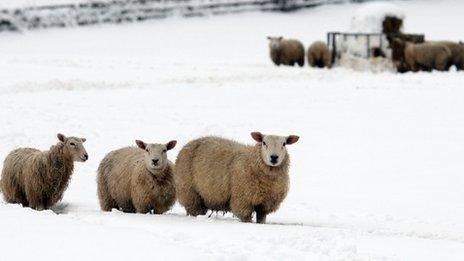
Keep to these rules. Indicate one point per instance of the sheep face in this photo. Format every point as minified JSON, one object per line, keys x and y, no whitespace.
{"x":274,"y":42}
{"x":75,"y":147}
{"x":273,"y":148}
{"x":156,"y":154}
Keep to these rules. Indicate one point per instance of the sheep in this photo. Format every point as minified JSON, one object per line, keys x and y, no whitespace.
{"x":427,"y":56}
{"x":286,"y":51}
{"x":420,"y":56}
{"x":223,"y":175}
{"x":137,"y":179}
{"x":319,"y":55}
{"x":457,"y":53}
{"x":38,"y":179}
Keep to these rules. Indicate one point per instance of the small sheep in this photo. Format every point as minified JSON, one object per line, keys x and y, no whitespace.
{"x":427,"y":56}
{"x":457,"y":53}
{"x":223,"y":175}
{"x":319,"y":55}
{"x":137,"y":179}
{"x":39,"y":178}
{"x":286,"y":51}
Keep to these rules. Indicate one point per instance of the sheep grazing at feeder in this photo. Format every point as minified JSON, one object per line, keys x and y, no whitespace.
{"x":286,"y":51}
{"x":220,"y":174}
{"x":38,"y":179}
{"x":427,"y":57}
{"x":457,"y":53}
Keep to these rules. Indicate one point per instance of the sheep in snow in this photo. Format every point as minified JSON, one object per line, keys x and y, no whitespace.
{"x":39,"y":178}
{"x":286,"y":51}
{"x":427,"y":56}
{"x":137,"y":179}
{"x":224,"y":175}
{"x":457,"y":53}
{"x":319,"y":55}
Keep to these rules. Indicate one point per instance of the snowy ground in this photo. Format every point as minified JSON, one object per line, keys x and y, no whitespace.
{"x":376,"y":175}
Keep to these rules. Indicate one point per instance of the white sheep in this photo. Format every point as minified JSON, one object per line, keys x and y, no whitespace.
{"x":220,"y":174}
{"x":137,"y":179}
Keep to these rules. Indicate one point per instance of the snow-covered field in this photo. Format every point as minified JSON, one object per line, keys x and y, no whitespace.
{"x":377,"y":174}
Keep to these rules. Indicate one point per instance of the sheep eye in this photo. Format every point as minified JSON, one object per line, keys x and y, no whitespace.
{"x":72,"y":144}
{"x":164,"y":151}
{"x":283,"y":144}
{"x":146,"y":150}
{"x":264,"y":143}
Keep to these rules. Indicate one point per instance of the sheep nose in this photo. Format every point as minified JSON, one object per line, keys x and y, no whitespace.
{"x":274,"y":159}
{"x":86,"y":156}
{"x":155,"y":161}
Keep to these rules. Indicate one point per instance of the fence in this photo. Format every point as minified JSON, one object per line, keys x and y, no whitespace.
{"x":364,"y":44}
{"x":90,"y":12}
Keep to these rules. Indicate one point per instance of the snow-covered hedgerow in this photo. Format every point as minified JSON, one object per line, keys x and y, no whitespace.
{"x":31,"y":14}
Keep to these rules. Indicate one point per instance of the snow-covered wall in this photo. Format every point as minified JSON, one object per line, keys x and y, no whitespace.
{"x":31,"y":14}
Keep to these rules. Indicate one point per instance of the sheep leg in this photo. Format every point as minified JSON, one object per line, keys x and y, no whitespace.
{"x":106,"y":202}
{"x":141,"y":205}
{"x":142,"y":209}
{"x":191,"y":201}
{"x":34,"y":197}
{"x":159,"y":211}
{"x":242,"y":210}
{"x":127,"y":206}
{"x":442,"y":63}
{"x":311,"y":61}
{"x":301,"y":62}
{"x":260,"y":214}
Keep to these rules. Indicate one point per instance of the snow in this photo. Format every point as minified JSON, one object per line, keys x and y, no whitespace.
{"x":376,"y":175}
{"x":369,"y":17}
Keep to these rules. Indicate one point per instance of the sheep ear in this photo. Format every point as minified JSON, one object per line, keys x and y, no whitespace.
{"x":61,"y":137}
{"x":83,"y":140}
{"x":269,"y":38}
{"x":257,"y":136}
{"x":170,"y":145}
{"x":141,"y":144}
{"x":280,"y":38}
{"x":292,"y":139}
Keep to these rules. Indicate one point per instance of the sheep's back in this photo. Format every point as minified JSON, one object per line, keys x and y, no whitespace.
{"x":116,"y":171}
{"x":292,"y":49}
{"x":213,"y":162}
{"x":24,"y":163}
{"x":426,"y":53}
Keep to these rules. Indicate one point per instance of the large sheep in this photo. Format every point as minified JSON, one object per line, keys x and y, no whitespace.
{"x":39,"y":178}
{"x":457,"y":53}
{"x":319,"y":55}
{"x":286,"y":51}
{"x":421,"y":56}
{"x":220,"y":174}
{"x":427,"y":56}
{"x":137,"y":179}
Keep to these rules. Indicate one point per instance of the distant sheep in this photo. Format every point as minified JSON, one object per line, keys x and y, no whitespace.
{"x":319,"y":55}
{"x":137,"y":179}
{"x":223,"y":175}
{"x":38,"y":179}
{"x":286,"y":51}
{"x":457,"y":53}
{"x":427,"y":56}
{"x":424,"y":56}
